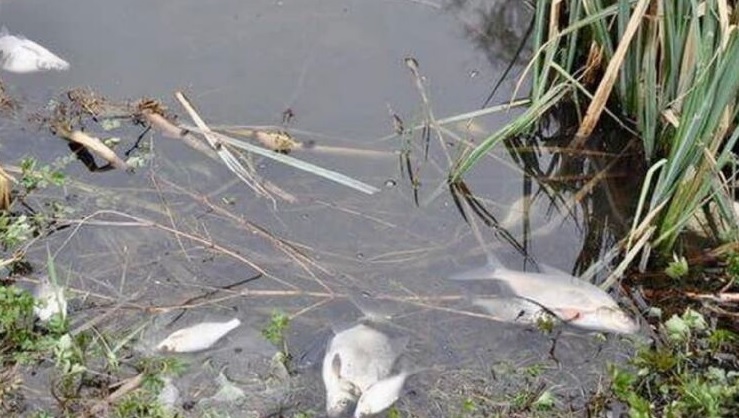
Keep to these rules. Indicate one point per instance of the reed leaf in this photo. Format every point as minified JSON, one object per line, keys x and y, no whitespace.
{"x":519,"y":126}
{"x":671,"y":67}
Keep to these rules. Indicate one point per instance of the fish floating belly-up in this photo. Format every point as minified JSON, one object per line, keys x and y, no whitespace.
{"x":355,"y":359}
{"x":571,"y":299}
{"x":380,"y":396}
{"x":21,"y":55}
{"x":197,"y":337}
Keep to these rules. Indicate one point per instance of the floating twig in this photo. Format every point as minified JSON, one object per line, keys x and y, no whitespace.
{"x":94,"y":145}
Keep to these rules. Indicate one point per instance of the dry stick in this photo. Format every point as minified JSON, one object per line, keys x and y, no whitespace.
{"x":128,"y":386}
{"x":327,"y":297}
{"x":95,"y":145}
{"x":354,"y":212}
{"x":97,"y":319}
{"x":456,"y":311}
{"x":168,"y":129}
{"x":226,"y":156}
{"x":721,"y":297}
{"x":718,"y":310}
{"x":402,"y":256}
{"x":287,"y":248}
{"x":276,"y":138}
{"x":310,"y":308}
{"x":5,"y":188}
{"x":609,"y":78}
{"x":245,"y":293}
{"x":139,"y":222}
{"x":169,"y":215}
{"x":412,"y":64}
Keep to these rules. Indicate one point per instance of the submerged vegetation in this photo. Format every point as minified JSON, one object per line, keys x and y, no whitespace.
{"x":662,"y":71}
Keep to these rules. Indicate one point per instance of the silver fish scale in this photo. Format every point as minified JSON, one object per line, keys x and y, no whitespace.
{"x":366,"y":354}
{"x":556,"y":292}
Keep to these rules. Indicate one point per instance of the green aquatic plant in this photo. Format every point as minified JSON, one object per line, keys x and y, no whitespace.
{"x":274,"y":332}
{"x":141,"y":404}
{"x":36,"y":176}
{"x":16,"y":322}
{"x":667,"y":66}
{"x":678,"y":267}
{"x":14,"y":230}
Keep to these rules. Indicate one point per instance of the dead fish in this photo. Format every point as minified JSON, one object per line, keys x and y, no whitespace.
{"x":197,"y":337}
{"x":50,"y":300}
{"x":512,"y":309}
{"x":356,"y":359}
{"x":570,"y":299}
{"x":21,"y":55}
{"x":381,"y":395}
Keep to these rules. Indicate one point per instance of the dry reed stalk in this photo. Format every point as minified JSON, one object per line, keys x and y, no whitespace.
{"x":593,"y":63}
{"x":289,"y":249}
{"x":609,"y":78}
{"x":412,"y":65}
{"x":125,"y":387}
{"x":170,"y":130}
{"x":96,"y":146}
{"x":5,"y":189}
{"x":224,"y":153}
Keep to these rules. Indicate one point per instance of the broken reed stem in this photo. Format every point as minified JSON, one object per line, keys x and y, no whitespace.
{"x":223,"y":153}
{"x":93,"y":144}
{"x":168,"y":212}
{"x":170,"y":130}
{"x":127,"y":386}
{"x":5,"y":189}
{"x":287,"y":248}
{"x":412,"y":64}
{"x":609,"y":78}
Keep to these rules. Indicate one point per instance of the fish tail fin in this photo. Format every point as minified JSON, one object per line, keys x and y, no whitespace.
{"x":234,"y":323}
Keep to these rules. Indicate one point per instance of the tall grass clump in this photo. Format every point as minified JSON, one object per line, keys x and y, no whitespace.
{"x":665,"y":70}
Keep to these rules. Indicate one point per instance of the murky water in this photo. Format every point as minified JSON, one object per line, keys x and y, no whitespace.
{"x":189,"y":233}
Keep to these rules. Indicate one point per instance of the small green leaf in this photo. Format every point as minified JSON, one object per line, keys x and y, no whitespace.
{"x":677,"y":329}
